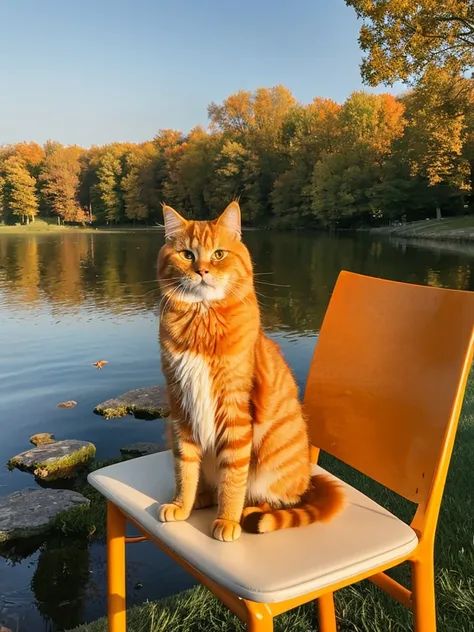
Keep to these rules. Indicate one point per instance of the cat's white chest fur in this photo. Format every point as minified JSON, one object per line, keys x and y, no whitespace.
{"x":193,"y":378}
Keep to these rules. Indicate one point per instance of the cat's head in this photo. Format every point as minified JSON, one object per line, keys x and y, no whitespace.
{"x":204,"y":261}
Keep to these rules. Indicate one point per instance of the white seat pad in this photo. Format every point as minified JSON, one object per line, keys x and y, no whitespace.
{"x":266,"y":568}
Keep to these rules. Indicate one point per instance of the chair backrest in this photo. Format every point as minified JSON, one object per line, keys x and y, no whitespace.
{"x":387,"y":379}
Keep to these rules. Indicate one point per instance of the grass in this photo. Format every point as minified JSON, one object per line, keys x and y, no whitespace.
{"x":448,"y":229}
{"x":51,"y":226}
{"x":360,"y":608}
{"x":86,"y":521}
{"x":41,"y":226}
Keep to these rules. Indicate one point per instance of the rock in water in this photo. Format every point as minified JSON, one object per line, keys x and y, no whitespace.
{"x":150,"y":402}
{"x":55,"y":460}
{"x":142,"y":448}
{"x":32,"y":511}
{"x":69,"y":404}
{"x":42,"y":438}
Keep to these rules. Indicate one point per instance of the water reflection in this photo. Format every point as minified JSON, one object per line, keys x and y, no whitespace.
{"x":115,"y":273}
{"x":60,"y":582}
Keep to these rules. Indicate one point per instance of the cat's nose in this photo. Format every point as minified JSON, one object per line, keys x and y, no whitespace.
{"x":202,"y":272}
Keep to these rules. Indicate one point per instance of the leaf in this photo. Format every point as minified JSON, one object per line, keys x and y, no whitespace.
{"x":100,"y":363}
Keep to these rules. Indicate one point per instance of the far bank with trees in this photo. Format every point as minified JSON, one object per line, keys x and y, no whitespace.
{"x":370,"y":161}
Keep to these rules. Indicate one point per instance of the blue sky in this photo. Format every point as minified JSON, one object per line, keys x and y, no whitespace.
{"x":94,"y":71}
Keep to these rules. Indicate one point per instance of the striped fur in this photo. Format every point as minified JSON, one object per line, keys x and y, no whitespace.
{"x":238,"y":432}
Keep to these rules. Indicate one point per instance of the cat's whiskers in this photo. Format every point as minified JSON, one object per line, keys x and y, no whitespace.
{"x":237,"y":295}
{"x":155,"y":289}
{"x":167,"y":298}
{"x":272,"y":284}
{"x":138,"y":282}
{"x":244,"y":299}
{"x":257,"y":293}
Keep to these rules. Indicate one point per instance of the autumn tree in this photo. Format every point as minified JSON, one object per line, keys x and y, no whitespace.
{"x":255,"y":120}
{"x":400,"y":38}
{"x":18,"y":190}
{"x":31,"y":154}
{"x":373,"y":158}
{"x":2,"y":198}
{"x":308,"y":133}
{"x":343,"y":180}
{"x":438,"y":113}
{"x":59,"y":178}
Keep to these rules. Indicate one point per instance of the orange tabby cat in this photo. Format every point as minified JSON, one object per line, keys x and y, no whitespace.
{"x":239,"y":437}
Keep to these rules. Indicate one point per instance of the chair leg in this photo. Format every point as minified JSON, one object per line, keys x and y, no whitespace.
{"x":327,"y":613}
{"x":423,"y":588}
{"x":116,"y":601}
{"x":259,"y":618}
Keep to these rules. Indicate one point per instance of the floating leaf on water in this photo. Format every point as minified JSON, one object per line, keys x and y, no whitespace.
{"x":69,"y":404}
{"x":100,"y":363}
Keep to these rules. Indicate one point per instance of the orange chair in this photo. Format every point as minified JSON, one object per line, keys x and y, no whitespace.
{"x":384,"y":395}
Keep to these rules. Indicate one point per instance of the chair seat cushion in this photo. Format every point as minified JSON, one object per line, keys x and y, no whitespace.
{"x":266,"y":568}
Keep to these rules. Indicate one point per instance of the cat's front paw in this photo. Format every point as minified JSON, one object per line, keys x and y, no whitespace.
{"x":226,"y":530}
{"x":172,"y":513}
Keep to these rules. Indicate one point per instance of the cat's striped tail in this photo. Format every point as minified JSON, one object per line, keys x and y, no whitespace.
{"x":322,"y":501}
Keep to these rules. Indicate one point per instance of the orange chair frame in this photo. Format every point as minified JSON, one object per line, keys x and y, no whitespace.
{"x":421,"y":599}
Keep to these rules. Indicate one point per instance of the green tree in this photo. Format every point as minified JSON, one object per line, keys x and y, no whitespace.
{"x":236,"y":177}
{"x":342,"y":187}
{"x":195,"y":174}
{"x":170,"y":145}
{"x":402,"y":38}
{"x":139,"y":182}
{"x":107,"y":192}
{"x":135,"y":208}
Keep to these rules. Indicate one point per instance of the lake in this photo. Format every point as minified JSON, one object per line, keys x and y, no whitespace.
{"x":70,"y":299}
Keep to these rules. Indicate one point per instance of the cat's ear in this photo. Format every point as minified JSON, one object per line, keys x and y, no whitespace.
{"x":230,"y":219}
{"x":174,"y":223}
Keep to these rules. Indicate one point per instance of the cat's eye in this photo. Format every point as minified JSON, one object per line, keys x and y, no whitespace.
{"x":187,"y":254}
{"x":219,"y":254}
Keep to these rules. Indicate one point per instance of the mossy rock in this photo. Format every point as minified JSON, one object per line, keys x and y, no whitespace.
{"x":42,"y":438}
{"x":52,"y":461}
{"x":150,"y":402}
{"x":31,"y":512}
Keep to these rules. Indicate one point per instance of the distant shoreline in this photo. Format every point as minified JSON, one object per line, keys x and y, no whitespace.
{"x":451,"y":229}
{"x":39,"y":227}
